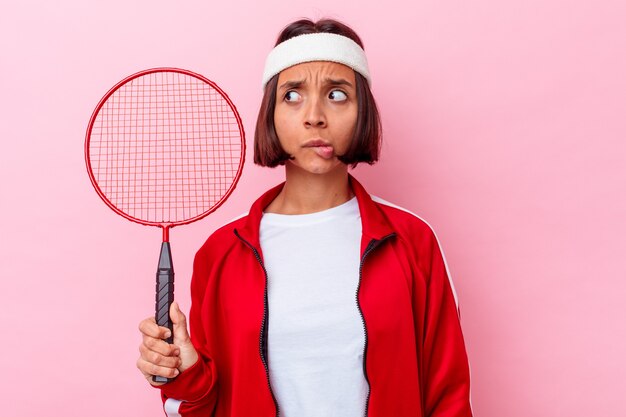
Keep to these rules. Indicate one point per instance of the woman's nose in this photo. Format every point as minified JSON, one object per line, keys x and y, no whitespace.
{"x":315,"y":116}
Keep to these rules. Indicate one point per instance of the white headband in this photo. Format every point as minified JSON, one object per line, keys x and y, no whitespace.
{"x":316,"y":47}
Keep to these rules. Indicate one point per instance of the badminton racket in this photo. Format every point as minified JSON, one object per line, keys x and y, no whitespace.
{"x":164,"y":147}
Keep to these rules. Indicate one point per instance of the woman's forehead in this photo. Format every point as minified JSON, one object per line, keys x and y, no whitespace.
{"x":317,"y":71}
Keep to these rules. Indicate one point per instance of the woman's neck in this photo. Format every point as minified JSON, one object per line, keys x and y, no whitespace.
{"x":305,"y":192}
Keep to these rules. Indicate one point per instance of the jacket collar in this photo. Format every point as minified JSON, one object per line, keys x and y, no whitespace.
{"x":374,"y":222}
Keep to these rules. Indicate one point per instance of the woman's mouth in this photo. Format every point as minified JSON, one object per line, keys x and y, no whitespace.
{"x":321,"y":147}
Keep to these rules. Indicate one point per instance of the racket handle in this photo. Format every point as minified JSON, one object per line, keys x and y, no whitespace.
{"x":164,"y":296}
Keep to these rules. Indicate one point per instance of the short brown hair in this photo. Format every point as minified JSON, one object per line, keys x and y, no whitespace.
{"x":367,"y":138}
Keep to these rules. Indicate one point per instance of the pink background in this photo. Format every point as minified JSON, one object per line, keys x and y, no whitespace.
{"x":504,"y":126}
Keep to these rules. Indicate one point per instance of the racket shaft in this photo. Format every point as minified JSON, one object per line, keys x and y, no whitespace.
{"x":164,"y":295}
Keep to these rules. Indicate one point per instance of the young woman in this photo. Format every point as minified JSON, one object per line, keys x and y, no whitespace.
{"x":322,"y":300}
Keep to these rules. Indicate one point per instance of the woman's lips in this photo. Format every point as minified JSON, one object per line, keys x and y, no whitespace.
{"x":321,"y":147}
{"x":325,"y":152}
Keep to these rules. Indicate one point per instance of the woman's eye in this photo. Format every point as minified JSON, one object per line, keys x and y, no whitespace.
{"x":292,"y":96}
{"x":338,"y":95}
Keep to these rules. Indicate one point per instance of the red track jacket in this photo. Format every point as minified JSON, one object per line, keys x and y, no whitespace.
{"x":414,"y":360}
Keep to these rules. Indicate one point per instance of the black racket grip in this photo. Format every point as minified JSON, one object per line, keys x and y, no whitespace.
{"x":164,"y":296}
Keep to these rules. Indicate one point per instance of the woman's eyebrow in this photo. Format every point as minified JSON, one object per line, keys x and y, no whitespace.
{"x":337,"y":81}
{"x":291,"y":84}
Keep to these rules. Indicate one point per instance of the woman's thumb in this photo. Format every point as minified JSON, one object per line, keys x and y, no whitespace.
{"x":180,"y":324}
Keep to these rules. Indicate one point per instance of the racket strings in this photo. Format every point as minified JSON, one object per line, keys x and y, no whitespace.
{"x":165,"y":147}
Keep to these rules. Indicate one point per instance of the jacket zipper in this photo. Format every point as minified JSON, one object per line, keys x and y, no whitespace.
{"x":263,"y":338}
{"x":373,"y":244}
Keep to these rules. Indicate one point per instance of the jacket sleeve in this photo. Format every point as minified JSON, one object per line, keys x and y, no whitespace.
{"x":446,"y":375}
{"x":194,"y":392}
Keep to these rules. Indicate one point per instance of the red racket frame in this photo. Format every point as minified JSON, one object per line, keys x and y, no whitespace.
{"x":164,"y":226}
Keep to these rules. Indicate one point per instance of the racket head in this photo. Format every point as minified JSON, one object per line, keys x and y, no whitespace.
{"x":165,"y":147}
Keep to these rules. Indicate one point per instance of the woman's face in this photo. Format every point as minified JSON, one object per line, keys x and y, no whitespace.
{"x":315,"y":114}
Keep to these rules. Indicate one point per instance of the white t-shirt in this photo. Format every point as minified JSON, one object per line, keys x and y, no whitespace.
{"x":315,"y":331}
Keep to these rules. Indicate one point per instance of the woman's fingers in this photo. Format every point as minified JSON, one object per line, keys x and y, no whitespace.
{"x":158,"y":359}
{"x":161,"y":358}
{"x":149,"y":369}
{"x":149,"y":327}
{"x":160,"y":346}
{"x":153,"y":335}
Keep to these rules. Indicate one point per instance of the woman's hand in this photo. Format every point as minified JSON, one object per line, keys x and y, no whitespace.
{"x":161,"y":358}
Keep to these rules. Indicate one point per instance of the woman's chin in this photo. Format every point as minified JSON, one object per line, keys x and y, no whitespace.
{"x":318,"y":167}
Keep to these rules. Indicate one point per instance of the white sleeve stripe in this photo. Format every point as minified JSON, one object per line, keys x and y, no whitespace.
{"x":232,"y":220}
{"x":236,"y":218}
{"x":172,"y":407}
{"x":387,"y":203}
